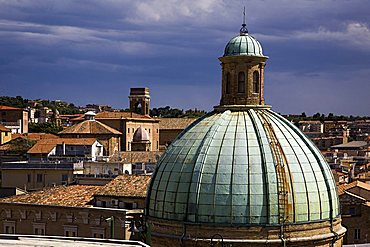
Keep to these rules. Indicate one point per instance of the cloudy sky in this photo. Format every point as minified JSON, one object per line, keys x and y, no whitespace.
{"x":93,"y":51}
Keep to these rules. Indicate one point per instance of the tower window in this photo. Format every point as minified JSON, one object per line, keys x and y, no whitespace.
{"x":227,"y":85}
{"x":241,"y":82}
{"x":256,"y":82}
{"x":357,"y":234}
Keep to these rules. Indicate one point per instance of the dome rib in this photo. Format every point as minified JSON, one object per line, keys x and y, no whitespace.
{"x":320,"y":162}
{"x":254,"y":117}
{"x":310,"y":203}
{"x":243,"y":45}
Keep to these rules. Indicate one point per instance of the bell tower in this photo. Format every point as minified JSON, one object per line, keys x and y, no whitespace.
{"x":243,"y":66}
{"x":140,"y":100}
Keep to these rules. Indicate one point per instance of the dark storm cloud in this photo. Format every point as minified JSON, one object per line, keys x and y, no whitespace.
{"x":94,"y":51}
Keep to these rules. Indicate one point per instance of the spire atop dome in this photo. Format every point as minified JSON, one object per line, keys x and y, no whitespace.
{"x":244,"y":30}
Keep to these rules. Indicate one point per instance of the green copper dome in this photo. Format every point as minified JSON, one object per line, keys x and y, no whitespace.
{"x":243,"y":45}
{"x":248,"y":167}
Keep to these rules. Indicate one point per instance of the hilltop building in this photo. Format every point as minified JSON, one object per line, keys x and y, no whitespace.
{"x":243,"y":175}
{"x":15,"y":119}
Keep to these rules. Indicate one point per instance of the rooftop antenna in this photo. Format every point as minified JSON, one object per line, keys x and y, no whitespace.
{"x":244,"y":30}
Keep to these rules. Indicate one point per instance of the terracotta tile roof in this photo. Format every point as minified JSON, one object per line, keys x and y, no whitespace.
{"x":35,"y":136}
{"x":4,"y":129}
{"x":126,"y":186}
{"x":90,"y":127}
{"x":140,"y":156}
{"x":9,"y":108}
{"x":73,"y":195}
{"x":120,"y":115}
{"x":343,"y":187}
{"x":46,"y":145}
{"x":175,"y":123}
{"x":353,"y":144}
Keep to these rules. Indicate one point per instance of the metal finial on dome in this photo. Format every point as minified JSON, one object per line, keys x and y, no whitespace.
{"x":243,"y":30}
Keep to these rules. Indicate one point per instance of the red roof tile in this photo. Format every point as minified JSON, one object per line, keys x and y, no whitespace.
{"x":46,"y":145}
{"x":9,"y":108}
{"x":126,"y":186}
{"x":343,"y":187}
{"x":74,"y":195}
{"x":90,"y":127}
{"x":35,"y":136}
{"x":119,"y":115}
{"x":4,"y":129}
{"x":175,"y":123}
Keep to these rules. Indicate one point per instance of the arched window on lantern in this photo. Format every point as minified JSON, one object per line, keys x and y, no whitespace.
{"x":256,"y":82}
{"x":227,"y":84}
{"x":241,"y":82}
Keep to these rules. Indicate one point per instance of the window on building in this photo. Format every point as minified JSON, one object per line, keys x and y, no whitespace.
{"x":227,"y":84}
{"x":39,"y":178}
{"x":29,"y":178}
{"x":9,"y":227}
{"x":352,"y":211}
{"x":70,"y":231}
{"x":357,"y":234}
{"x":38,"y":228}
{"x":241,"y":82}
{"x":128,"y":130}
{"x":97,"y":232}
{"x":149,"y":131}
{"x":256,"y":82}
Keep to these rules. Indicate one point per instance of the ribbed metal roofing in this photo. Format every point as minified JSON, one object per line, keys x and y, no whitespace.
{"x":243,"y":44}
{"x":228,"y":168}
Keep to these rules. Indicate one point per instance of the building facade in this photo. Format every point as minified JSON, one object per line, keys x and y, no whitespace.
{"x":15,"y":119}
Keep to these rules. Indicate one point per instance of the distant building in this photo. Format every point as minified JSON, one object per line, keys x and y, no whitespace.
{"x":77,"y":210}
{"x":128,"y":122}
{"x":311,"y":126}
{"x":5,"y":134}
{"x":170,"y":128}
{"x":66,"y":149}
{"x":355,"y":207}
{"x":61,"y":211}
{"x":15,"y":119}
{"x":125,"y":191}
{"x":91,"y":128}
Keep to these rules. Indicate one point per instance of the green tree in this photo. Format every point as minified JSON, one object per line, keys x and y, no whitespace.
{"x":44,"y":128}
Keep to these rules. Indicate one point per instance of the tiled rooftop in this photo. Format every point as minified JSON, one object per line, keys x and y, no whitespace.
{"x":175,"y":123}
{"x":343,"y":187}
{"x":140,"y":156}
{"x":74,"y":195}
{"x":4,"y":129}
{"x":90,"y":127}
{"x":120,"y":115}
{"x":126,"y":186}
{"x":35,"y":136}
{"x":46,"y":145}
{"x":9,"y":108}
{"x":353,"y":144}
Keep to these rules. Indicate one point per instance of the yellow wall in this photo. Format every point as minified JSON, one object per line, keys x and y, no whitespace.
{"x":5,"y":137}
{"x":19,"y":178}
